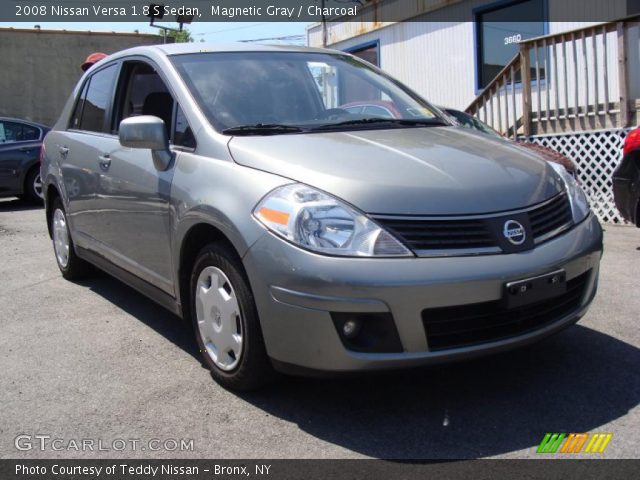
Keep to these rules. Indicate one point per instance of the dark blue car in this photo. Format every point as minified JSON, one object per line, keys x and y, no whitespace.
{"x":20,"y":143}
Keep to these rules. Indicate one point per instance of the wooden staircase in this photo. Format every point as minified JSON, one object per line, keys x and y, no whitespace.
{"x":566,"y":82}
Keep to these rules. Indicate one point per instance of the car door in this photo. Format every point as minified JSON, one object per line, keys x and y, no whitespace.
{"x":19,"y":148}
{"x":79,"y":155}
{"x":134,"y":197}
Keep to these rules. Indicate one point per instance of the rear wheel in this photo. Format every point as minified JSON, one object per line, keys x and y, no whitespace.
{"x":71,"y":266}
{"x":33,"y":186}
{"x":225,"y":321}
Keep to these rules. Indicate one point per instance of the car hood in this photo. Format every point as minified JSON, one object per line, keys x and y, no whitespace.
{"x":408,"y":171}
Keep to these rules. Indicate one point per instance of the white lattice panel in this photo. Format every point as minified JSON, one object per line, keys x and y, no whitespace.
{"x":596,"y":154}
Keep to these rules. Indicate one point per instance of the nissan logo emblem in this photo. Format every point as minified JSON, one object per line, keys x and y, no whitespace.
{"x":514,"y":232}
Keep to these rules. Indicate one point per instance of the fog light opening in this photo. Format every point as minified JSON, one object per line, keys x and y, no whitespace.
{"x":351,"y":328}
{"x":367,"y":332}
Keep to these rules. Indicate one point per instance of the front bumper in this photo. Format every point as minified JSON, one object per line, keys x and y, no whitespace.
{"x":296,"y":291}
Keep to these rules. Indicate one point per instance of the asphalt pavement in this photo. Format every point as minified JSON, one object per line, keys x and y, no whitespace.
{"x":96,"y":363}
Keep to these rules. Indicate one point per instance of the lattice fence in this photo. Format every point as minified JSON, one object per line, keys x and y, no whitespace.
{"x":596,"y":154}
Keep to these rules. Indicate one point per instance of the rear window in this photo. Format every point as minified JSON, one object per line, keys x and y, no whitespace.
{"x":77,"y":112}
{"x":97,"y":100}
{"x":11,"y":132}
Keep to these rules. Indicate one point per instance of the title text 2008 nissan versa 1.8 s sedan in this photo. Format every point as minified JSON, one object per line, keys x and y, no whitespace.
{"x":226,"y":183}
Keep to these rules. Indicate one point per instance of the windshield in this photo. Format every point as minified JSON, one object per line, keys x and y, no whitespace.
{"x":288,"y":92}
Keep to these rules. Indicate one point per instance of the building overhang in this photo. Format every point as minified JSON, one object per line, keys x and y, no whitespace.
{"x":372,"y":16}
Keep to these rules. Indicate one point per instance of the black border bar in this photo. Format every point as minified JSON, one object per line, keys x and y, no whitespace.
{"x":565,"y":469}
{"x":38,"y":11}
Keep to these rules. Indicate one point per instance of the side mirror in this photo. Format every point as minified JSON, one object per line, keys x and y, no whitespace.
{"x":147,"y":131}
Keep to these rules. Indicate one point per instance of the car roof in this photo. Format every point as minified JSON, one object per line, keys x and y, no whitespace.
{"x":28,"y":122}
{"x":174,"y":49}
{"x":186,"y":48}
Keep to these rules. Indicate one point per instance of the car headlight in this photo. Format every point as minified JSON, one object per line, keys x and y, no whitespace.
{"x":579,"y":202}
{"x":321,"y":223}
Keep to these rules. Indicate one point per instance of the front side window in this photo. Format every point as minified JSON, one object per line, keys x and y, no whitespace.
{"x":500,"y":29}
{"x":11,"y":132}
{"x":98,"y":100}
{"x":296,"y":89}
{"x":144,"y":92}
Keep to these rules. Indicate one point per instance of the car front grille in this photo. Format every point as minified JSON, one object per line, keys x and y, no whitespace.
{"x":466,"y":325}
{"x":550,"y":217}
{"x":444,"y":234}
{"x":477,"y":234}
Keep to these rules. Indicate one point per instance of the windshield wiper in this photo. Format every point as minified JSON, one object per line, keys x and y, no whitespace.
{"x":433,"y":122}
{"x":262,"y":129}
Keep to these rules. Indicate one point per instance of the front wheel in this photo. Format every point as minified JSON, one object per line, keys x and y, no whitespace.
{"x":225,"y":321}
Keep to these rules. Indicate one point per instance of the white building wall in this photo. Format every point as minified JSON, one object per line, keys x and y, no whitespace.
{"x":436,"y":59}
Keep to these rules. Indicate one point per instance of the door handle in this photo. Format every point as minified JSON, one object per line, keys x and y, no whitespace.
{"x":104,"y":161}
{"x":26,"y":149}
{"x":63,"y":151}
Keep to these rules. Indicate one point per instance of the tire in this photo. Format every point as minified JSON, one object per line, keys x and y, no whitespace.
{"x":71,"y":266}
{"x":33,"y":186}
{"x":225,"y":321}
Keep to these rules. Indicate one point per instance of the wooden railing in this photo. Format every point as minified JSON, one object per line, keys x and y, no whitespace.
{"x":500,"y":91}
{"x":569,"y":81}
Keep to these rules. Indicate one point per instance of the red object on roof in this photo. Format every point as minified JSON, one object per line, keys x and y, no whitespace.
{"x":91,"y":59}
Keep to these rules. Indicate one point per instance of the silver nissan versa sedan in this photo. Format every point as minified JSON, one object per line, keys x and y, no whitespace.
{"x":227,"y":184}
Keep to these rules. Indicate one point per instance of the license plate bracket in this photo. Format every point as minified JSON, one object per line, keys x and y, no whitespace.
{"x":535,"y":289}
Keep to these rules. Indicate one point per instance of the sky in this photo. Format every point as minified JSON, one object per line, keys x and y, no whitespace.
{"x":209,"y":31}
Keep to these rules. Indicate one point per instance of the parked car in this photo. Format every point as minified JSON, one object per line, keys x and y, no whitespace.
{"x":376,"y":108}
{"x":20,"y":143}
{"x":297,"y":236}
{"x":626,"y":179}
{"x":549,"y":154}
